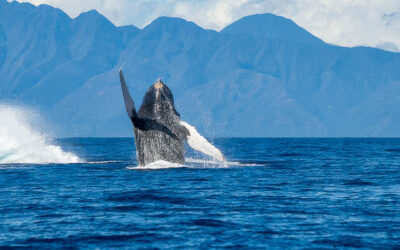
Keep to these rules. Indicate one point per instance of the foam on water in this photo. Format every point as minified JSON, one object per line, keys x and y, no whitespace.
{"x":194,"y":163}
{"x":159,"y":165}
{"x":21,"y":143}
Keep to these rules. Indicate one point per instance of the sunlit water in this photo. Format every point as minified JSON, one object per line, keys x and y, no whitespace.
{"x":273,"y":193}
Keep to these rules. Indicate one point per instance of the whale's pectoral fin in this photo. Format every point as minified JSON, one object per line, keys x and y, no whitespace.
{"x":199,"y":143}
{"x":129,"y":104}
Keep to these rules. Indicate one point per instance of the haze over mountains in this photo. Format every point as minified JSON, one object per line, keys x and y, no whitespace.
{"x":260,"y":76}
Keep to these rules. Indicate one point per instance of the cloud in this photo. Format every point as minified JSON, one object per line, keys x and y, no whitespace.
{"x":343,"y":22}
{"x":351,"y":23}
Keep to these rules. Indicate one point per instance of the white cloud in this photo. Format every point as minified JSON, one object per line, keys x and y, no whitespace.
{"x":343,"y":22}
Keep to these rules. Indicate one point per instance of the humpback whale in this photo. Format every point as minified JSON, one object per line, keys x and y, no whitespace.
{"x":159,"y":132}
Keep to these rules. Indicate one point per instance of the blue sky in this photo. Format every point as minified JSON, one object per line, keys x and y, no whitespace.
{"x":373,"y":23}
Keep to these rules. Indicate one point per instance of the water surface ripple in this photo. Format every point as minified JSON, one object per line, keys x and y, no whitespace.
{"x":300,"y":194}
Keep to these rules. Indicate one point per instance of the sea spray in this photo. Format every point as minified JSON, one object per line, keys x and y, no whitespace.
{"x":158,"y":165}
{"x":20,"y":142}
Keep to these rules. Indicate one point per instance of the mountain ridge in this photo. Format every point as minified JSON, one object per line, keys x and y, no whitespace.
{"x":259,"y":82}
{"x":277,"y":27}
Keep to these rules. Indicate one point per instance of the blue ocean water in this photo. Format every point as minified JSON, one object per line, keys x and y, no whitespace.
{"x":280,"y":193}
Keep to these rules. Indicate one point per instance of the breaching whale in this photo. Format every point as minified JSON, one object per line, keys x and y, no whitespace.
{"x":159,"y":132}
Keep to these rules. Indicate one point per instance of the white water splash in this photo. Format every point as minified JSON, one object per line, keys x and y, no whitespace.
{"x":194,"y":163}
{"x":158,"y":165}
{"x":21,"y":143}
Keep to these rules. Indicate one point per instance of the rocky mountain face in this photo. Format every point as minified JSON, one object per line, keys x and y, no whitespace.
{"x":261,"y":76}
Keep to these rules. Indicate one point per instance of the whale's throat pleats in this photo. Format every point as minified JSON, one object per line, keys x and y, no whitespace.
{"x":159,"y":136}
{"x":153,"y":145}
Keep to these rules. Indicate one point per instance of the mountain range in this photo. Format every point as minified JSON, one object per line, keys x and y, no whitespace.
{"x":261,"y":76}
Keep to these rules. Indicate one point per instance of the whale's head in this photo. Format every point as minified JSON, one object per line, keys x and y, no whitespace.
{"x":158,"y":103}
